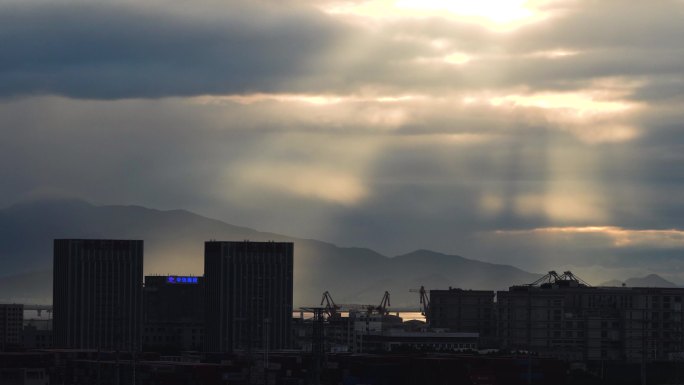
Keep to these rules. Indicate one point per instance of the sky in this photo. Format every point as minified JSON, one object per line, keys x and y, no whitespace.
{"x":546,"y":134}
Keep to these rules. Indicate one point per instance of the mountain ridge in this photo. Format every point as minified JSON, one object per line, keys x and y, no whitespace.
{"x":650,"y":280}
{"x":174,"y":241}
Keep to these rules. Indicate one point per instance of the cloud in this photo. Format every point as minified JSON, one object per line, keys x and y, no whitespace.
{"x":497,"y":15}
{"x":394,"y":132}
{"x":619,"y":237}
{"x":123,"y":49}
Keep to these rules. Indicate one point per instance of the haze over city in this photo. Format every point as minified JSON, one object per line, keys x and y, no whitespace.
{"x":540,"y":134}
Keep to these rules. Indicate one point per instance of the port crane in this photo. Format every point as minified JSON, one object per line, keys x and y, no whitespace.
{"x":424,"y":301}
{"x":553,"y":278}
{"x":384,"y":304}
{"x":331,"y":308}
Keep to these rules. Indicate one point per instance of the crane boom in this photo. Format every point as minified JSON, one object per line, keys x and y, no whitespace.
{"x":330,"y":306}
{"x":424,"y":300}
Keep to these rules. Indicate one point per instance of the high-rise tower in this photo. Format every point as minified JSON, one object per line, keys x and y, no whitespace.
{"x":97,"y":294}
{"x":248,"y":295}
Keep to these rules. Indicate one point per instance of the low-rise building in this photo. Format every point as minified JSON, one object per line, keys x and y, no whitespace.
{"x":11,"y":325}
{"x":173,"y":315}
{"x":396,"y":339}
{"x":37,"y":334}
{"x":24,"y":376}
{"x":25,"y":368}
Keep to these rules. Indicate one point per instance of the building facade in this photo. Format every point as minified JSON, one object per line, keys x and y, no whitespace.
{"x":567,"y":319}
{"x":397,"y":340}
{"x":11,"y":324}
{"x":173,"y":316}
{"x":37,"y":334}
{"x":248,"y":301}
{"x":469,"y":311}
{"x":97,"y":294}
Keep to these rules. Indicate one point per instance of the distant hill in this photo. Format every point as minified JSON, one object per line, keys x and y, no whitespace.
{"x":174,"y":244}
{"x":651,"y":280}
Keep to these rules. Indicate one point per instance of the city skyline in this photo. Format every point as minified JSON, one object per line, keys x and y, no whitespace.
{"x":492,"y":191}
{"x":228,"y":325}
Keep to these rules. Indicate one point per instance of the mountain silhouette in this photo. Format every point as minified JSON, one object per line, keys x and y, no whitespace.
{"x":174,"y":244}
{"x":651,"y":280}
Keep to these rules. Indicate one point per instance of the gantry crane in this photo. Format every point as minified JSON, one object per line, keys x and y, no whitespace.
{"x":384,"y":304}
{"x":424,"y":301}
{"x":331,"y":308}
{"x":552,"y":278}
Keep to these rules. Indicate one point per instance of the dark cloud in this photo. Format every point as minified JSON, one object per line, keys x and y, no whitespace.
{"x":116,"y":49}
{"x":121,"y":49}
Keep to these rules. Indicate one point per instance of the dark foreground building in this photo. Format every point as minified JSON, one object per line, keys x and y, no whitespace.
{"x":11,"y":319}
{"x":561,"y":316}
{"x":174,"y":313}
{"x":470,"y":311}
{"x":97,"y":294}
{"x":248,"y":295}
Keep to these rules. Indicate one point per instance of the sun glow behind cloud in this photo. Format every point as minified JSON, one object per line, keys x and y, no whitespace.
{"x":499,"y":15}
{"x":554,"y":54}
{"x":497,"y":11}
{"x":620,"y":237}
{"x":322,"y":183}
{"x":312,"y":99}
{"x":455,"y":58}
{"x":593,"y":115}
{"x":558,"y":204}
{"x":580,"y":103}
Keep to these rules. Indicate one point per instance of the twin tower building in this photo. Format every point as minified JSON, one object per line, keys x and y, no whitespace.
{"x":98,"y":295}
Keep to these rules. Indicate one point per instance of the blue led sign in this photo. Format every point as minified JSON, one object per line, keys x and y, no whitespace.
{"x":174,"y":279}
